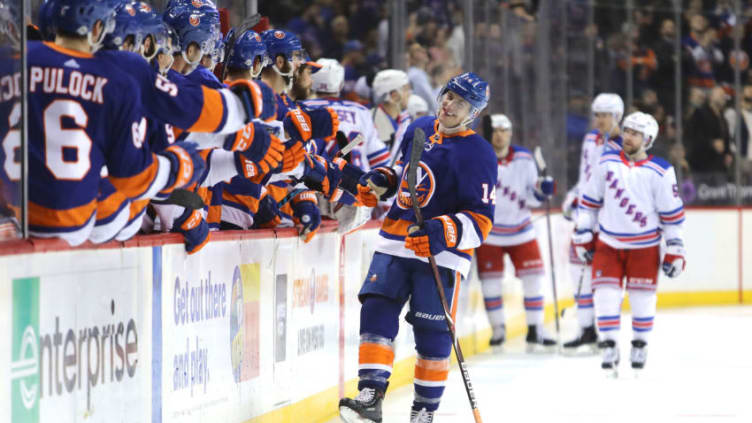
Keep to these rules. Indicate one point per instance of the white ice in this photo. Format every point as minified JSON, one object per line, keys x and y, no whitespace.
{"x":699,"y":369}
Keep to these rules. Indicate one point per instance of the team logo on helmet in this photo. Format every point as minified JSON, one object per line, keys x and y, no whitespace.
{"x":144,"y":7}
{"x":194,"y":20}
{"x":197,"y":3}
{"x":256,"y":37}
{"x":131,"y":11}
{"x":279,"y":35}
{"x":425,"y":188}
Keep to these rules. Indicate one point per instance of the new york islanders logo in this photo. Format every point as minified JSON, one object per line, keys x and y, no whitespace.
{"x":197,"y":3}
{"x":130,"y":10}
{"x":279,"y":35}
{"x":425,"y":187}
{"x":194,"y":20}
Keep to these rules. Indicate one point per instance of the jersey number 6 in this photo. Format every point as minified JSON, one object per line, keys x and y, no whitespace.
{"x":57,"y":140}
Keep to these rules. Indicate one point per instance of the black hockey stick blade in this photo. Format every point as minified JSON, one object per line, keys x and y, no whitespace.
{"x":185,"y":198}
{"x":238,"y":31}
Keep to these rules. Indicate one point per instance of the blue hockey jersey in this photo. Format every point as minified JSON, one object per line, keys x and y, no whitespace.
{"x":80,"y":119}
{"x":457,"y":176}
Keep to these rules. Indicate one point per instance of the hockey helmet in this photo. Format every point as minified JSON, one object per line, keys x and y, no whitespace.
{"x":387,"y":81}
{"x":286,"y":44}
{"x":329,"y":78}
{"x":472,"y":88}
{"x":609,"y":103}
{"x":79,"y":16}
{"x":416,"y":105}
{"x":644,"y":124}
{"x":248,"y":46}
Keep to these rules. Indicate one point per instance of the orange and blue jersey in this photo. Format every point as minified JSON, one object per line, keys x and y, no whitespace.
{"x":10,"y":110}
{"x":80,"y":119}
{"x":457,"y":174}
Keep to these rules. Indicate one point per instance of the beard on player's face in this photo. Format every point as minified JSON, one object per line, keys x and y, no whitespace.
{"x":633,"y":142}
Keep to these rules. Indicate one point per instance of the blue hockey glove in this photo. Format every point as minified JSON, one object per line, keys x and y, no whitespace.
{"x":437,"y":235}
{"x":306,"y":213}
{"x":186,"y":165}
{"x":378,"y":184}
{"x":323,"y":175}
{"x":194,"y":228}
{"x":257,"y":97}
{"x":545,"y":188}
{"x":267,"y":215}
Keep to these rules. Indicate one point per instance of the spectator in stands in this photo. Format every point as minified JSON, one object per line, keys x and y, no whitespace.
{"x":707,"y":139}
{"x":665,"y":74}
{"x":334,"y":42}
{"x":354,"y":62}
{"x":745,"y":127}
{"x":416,"y":72}
{"x":700,"y":55}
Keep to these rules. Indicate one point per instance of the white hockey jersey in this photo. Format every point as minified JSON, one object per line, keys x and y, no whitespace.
{"x":593,"y":146}
{"x":515,"y":195}
{"x":638,"y":201}
{"x":356,"y":119}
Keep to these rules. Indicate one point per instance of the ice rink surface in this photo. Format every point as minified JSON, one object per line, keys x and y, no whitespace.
{"x":699,"y":369}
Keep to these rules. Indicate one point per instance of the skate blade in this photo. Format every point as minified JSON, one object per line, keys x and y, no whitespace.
{"x":347,"y":415}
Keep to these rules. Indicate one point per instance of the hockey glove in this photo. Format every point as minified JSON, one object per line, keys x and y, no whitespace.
{"x":304,"y":124}
{"x":378,"y":184}
{"x":267,"y":215}
{"x":323,"y":176}
{"x":545,"y":187}
{"x":186,"y":165}
{"x":257,"y":98}
{"x":437,"y":235}
{"x":306,"y":212}
{"x":194,"y":228}
{"x":571,"y":202}
{"x":584,"y":244}
{"x":674,"y":261}
{"x":293,"y":155}
{"x":258,"y":147}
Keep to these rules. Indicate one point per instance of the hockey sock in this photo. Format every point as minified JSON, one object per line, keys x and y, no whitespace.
{"x":431,"y":367}
{"x":533,"y":290}
{"x":379,"y":323}
{"x":493,"y":300}
{"x":607,"y":301}
{"x":643,"y":312}
{"x":585,"y":298}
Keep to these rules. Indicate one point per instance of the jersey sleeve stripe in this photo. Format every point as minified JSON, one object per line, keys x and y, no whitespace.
{"x":135,"y":186}
{"x":482,"y":223}
{"x":64,"y":219}
{"x":212,"y":114}
{"x":590,"y":203}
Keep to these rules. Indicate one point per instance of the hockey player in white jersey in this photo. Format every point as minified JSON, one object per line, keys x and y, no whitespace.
{"x":518,"y":188}
{"x":391,"y":93}
{"x":354,"y":118}
{"x":607,"y":110}
{"x":634,"y":199}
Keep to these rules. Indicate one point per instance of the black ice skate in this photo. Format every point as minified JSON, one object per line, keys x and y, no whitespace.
{"x":538,"y":341}
{"x":498,"y":336}
{"x":365,"y":408}
{"x":588,"y":338}
{"x":422,"y":416}
{"x":610,"y":361}
{"x":639,"y":354}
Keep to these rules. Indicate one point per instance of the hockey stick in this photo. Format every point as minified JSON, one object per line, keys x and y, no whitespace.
{"x":579,"y":290}
{"x":544,"y":171}
{"x":419,"y":139}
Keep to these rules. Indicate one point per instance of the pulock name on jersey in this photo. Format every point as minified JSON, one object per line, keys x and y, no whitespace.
{"x":82,"y":85}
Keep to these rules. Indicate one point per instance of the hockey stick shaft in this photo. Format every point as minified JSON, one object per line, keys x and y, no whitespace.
{"x":544,"y":171}
{"x":417,"y":149}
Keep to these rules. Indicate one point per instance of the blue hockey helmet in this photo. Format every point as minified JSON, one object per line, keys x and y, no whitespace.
{"x":247,"y":48}
{"x":79,"y":16}
{"x":45,"y":20}
{"x":194,"y":25}
{"x":472,"y":88}
{"x":126,"y":24}
{"x":286,"y":44}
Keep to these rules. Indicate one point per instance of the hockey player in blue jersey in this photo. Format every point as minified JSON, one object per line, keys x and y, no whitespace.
{"x":80,"y":121}
{"x":286,"y":54}
{"x":457,"y":175}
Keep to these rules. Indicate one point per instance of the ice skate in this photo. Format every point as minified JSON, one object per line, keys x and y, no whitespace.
{"x":610,"y":361}
{"x":538,"y":341}
{"x":421,"y":416}
{"x":639,"y":354}
{"x":365,"y":408}
{"x":498,"y":337}
{"x":586,"y":342}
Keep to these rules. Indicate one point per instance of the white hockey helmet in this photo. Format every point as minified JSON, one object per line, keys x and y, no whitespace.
{"x":609,"y":103}
{"x":499,"y":121}
{"x":329,"y":77}
{"x":387,"y":81}
{"x":644,"y":124}
{"x":415,"y":105}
